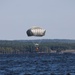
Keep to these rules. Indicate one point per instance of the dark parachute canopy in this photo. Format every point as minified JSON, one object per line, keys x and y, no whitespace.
{"x":36,"y":31}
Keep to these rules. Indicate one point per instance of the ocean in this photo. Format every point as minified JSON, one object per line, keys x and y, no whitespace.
{"x":37,"y":64}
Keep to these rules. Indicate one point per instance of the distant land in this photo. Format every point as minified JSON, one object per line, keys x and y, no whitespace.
{"x":46,"y":40}
{"x":46,"y":46}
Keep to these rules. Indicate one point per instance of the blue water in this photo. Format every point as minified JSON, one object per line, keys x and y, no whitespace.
{"x":37,"y":64}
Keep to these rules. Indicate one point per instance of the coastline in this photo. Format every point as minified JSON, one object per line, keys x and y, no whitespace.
{"x":63,"y":51}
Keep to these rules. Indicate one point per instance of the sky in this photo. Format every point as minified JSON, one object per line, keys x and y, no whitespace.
{"x":56,"y":16}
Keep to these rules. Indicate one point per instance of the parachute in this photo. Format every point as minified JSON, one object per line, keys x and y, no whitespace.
{"x":36,"y":32}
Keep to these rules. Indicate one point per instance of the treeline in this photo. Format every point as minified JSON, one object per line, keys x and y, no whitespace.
{"x":27,"y":46}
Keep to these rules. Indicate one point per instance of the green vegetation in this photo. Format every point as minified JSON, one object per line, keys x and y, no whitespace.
{"x":24,"y":46}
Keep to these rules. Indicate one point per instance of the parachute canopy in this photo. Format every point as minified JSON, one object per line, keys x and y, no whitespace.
{"x":36,"y":31}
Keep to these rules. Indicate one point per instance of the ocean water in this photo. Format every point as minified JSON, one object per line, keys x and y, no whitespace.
{"x":37,"y":64}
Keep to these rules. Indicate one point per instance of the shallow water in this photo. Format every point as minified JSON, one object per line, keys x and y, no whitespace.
{"x":37,"y":64}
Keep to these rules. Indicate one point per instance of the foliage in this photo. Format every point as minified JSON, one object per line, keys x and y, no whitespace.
{"x":21,"y":47}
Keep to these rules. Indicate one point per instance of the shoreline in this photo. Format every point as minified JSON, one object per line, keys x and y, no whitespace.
{"x":51,"y":51}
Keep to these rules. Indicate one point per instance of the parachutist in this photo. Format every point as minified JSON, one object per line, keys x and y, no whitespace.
{"x":36,"y":31}
{"x":37,"y":49}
